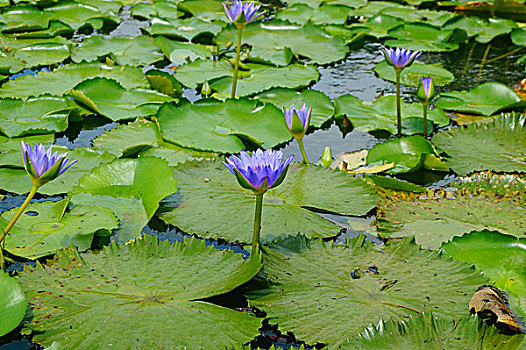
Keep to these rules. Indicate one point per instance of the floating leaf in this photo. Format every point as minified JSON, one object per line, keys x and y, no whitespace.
{"x":209,"y":193}
{"x":65,"y":78}
{"x":223,"y":126}
{"x":13,"y":303}
{"x":159,"y":9}
{"x":108,"y":98}
{"x":498,"y":146}
{"x":377,"y":26}
{"x":408,"y":154}
{"x":322,"y":106}
{"x":485,"y":99}
{"x":411,"y":75}
{"x":31,"y":53}
{"x":184,"y":29}
{"x":325,"y":14}
{"x":205,"y":9}
{"x":278,"y":41}
{"x":357,"y":284}
{"x":41,"y":115}
{"x":52,"y":226}
{"x":427,"y":331}
{"x":423,"y":37}
{"x":484,"y":29}
{"x":132,"y":188}
{"x":11,"y":154}
{"x":381,"y":114}
{"x":437,"y":217}
{"x":179,"y":53}
{"x":75,"y":294}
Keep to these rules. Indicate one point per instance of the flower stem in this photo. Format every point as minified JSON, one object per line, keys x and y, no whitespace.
{"x":425,"y":119}
{"x":303,"y":153}
{"x":11,"y":223}
{"x":257,"y":222}
{"x":398,"y":109}
{"x":236,"y":68}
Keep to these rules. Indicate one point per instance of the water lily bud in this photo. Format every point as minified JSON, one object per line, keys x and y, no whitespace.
{"x":426,"y":90}
{"x":297,"y":120}
{"x":206,"y":89}
{"x":326,"y":157}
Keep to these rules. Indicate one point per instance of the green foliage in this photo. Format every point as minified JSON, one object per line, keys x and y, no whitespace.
{"x":184,"y":29}
{"x":323,"y":15}
{"x":411,"y":76}
{"x":304,"y":275}
{"x":209,"y":194}
{"x":148,"y":291}
{"x":13,"y":303}
{"x":423,"y":37}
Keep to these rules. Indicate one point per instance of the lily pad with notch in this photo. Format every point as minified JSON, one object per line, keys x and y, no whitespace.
{"x":13,"y":303}
{"x":411,"y":75}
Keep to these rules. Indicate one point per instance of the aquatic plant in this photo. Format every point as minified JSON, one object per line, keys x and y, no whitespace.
{"x":298,"y":122}
{"x":258,"y":173}
{"x":240,"y":13}
{"x":425,"y":93}
{"x":42,"y":167}
{"x":399,"y":59}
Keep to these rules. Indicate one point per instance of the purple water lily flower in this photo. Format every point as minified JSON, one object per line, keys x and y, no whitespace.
{"x":261,"y":171}
{"x":400,"y":58}
{"x":426,"y":90}
{"x":298,"y":126}
{"x":241,"y":13}
{"x":42,"y":165}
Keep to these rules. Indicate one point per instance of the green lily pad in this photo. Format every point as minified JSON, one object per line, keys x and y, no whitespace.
{"x":132,"y":188}
{"x":13,"y":303}
{"x":31,"y":53}
{"x":133,"y":51}
{"x":502,"y":258}
{"x":256,"y":78}
{"x":422,"y":37}
{"x":11,"y":154}
{"x":159,"y":9}
{"x":357,"y":284}
{"x":325,"y":14}
{"x":486,"y":99}
{"x":223,"y":126}
{"x":411,"y":76}
{"x":141,"y":139}
{"x":110,"y":99}
{"x":75,"y":294}
{"x":322,"y":106}
{"x":52,"y":226}
{"x":518,"y":37}
{"x":376,"y":26}
{"x":41,"y":115}
{"x":498,"y":146}
{"x":437,"y":217}
{"x":277,"y":41}
{"x":205,"y":9}
{"x":179,"y":53}
{"x":427,"y":331}
{"x":209,"y":194}
{"x":381,"y":114}
{"x":484,"y":30}
{"x":408,"y":154}
{"x":184,"y":29}
{"x":18,"y":181}
{"x":65,"y":78}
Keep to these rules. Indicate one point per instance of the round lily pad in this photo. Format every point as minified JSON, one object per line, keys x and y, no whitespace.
{"x":147,"y":293}
{"x":209,"y":194}
{"x":354,"y":285}
{"x":13,"y":303}
{"x":411,"y":76}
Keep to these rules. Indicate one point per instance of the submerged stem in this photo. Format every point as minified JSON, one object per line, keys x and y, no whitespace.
{"x":236,"y":67}
{"x":425,"y":118}
{"x":11,"y":223}
{"x":398,"y":109}
{"x":257,"y":222}
{"x":303,"y":153}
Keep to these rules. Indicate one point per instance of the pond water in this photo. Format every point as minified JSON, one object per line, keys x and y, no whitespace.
{"x":472,"y":65}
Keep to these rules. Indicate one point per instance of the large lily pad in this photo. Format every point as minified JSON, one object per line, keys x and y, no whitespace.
{"x":408,"y":154}
{"x":179,"y":52}
{"x":205,"y":9}
{"x":485,"y":30}
{"x":422,"y":37}
{"x":278,"y":41}
{"x":485,"y":99}
{"x":353,"y":285}
{"x":11,"y":154}
{"x":427,"y":331}
{"x":325,"y":14}
{"x":41,"y":115}
{"x":18,"y":181}
{"x":132,"y":188}
{"x":376,"y":26}
{"x":322,"y":106}
{"x":184,"y":29}
{"x":381,"y":114}
{"x":223,"y":126}
{"x":13,"y":303}
{"x":159,"y":9}
{"x":110,"y":99}
{"x":31,"y":53}
{"x":65,"y":78}
{"x":498,"y":146}
{"x":411,"y":76}
{"x":437,"y":217}
{"x":502,"y":258}
{"x":209,"y":194}
{"x":256,"y":77}
{"x":147,"y":292}
{"x":133,"y":51}
{"x":52,"y":226}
